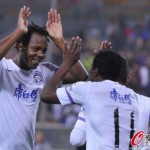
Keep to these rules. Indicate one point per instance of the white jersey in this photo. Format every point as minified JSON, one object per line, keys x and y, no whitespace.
{"x":111,"y":112}
{"x":81,"y":120}
{"x":78,"y":134}
{"x":19,"y":100}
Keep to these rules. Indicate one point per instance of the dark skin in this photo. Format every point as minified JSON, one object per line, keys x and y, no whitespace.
{"x":7,"y":43}
{"x":71,"y":55}
{"x":29,"y":57}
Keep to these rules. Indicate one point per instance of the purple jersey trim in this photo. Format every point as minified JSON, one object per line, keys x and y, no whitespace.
{"x":81,"y":118}
{"x":69,"y":96}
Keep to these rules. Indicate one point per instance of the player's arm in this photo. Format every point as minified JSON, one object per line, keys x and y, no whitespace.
{"x":70,"y":56}
{"x":77,"y":137}
{"x":54,"y":28}
{"x":78,"y":134}
{"x":9,"y":41}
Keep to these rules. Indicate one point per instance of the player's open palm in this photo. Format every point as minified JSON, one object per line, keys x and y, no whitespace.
{"x":53,"y":25}
{"x":22,"y":19}
{"x":71,"y":54}
{"x":105,"y":45}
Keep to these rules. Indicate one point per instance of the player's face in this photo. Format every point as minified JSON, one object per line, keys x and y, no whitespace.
{"x":36,"y":50}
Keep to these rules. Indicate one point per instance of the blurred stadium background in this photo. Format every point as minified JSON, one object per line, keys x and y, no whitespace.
{"x":126,"y":23}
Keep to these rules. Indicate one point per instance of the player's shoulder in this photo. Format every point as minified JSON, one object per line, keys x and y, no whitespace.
{"x":108,"y":84}
{"x":49,"y":66}
{"x":79,"y":86}
{"x":81,"y":83}
{"x":4,"y":60}
{"x":143,"y":98}
{"x":6,"y":63}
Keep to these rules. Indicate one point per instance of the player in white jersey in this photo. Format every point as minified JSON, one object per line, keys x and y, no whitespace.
{"x":23,"y":77}
{"x":78,"y":134}
{"x":111,"y":109}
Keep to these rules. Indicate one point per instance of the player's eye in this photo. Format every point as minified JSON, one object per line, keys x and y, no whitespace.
{"x":35,"y":49}
{"x":44,"y":51}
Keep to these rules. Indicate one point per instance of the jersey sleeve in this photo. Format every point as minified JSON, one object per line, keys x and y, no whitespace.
{"x":78,"y":134}
{"x":77,"y":137}
{"x":74,"y":94}
{"x":80,"y":124}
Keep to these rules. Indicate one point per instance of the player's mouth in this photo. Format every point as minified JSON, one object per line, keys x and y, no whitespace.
{"x":36,"y":61}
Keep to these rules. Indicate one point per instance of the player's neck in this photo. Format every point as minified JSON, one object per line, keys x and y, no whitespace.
{"x":96,"y":79}
{"x":18,"y":61}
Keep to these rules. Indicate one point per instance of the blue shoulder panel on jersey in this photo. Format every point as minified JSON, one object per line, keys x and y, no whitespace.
{"x":50,"y":66}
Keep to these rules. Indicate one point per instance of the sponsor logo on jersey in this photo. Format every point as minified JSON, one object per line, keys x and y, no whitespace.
{"x":38,"y":77}
{"x":117,"y":97}
{"x":22,"y":94}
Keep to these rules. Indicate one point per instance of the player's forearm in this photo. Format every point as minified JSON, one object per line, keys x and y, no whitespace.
{"x":60,"y":43}
{"x":48,"y":94}
{"x":7,"y":43}
{"x":78,"y":71}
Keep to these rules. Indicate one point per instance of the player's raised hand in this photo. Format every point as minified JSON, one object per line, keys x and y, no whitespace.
{"x":53,"y":25}
{"x":105,"y":45}
{"x":71,"y":53}
{"x":22,"y":19}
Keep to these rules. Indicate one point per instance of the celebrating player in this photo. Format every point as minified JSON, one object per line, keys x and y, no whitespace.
{"x":23,"y":77}
{"x":111,"y":109}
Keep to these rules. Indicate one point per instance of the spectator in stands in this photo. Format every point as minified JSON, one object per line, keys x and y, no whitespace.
{"x":41,"y":142}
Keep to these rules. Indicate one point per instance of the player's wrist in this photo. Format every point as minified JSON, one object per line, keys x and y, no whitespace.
{"x":58,"y":40}
{"x":20,"y":31}
{"x":60,"y":43}
{"x":67,"y":64}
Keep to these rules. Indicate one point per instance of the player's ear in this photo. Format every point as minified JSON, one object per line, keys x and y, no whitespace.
{"x":96,"y":72}
{"x":20,"y":47}
{"x":128,"y":79}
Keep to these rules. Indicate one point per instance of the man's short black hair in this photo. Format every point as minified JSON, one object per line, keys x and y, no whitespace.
{"x":109,"y":64}
{"x":32,"y":28}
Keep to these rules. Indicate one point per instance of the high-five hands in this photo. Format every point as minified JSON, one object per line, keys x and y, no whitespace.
{"x":53,"y":25}
{"x":22,"y":19}
{"x":71,"y":54}
{"x":105,"y":45}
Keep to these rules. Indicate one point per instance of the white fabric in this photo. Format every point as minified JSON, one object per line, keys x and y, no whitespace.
{"x":19,"y":100}
{"x":105,"y":103}
{"x":78,"y":134}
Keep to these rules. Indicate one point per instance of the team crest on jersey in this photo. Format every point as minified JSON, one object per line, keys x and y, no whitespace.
{"x":38,"y":77}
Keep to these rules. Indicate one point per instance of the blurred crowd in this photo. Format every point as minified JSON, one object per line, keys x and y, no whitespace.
{"x":131,"y":38}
